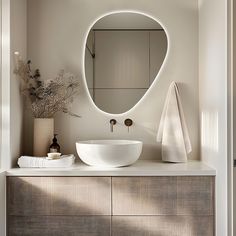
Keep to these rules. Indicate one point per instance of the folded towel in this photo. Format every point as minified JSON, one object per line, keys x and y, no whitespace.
{"x":173,"y":133}
{"x":42,"y":162}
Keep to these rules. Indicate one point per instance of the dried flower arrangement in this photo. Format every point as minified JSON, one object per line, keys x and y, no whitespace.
{"x":47,"y":97}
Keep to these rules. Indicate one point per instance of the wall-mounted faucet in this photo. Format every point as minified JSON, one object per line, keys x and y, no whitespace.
{"x":128,"y":123}
{"x":112,"y":123}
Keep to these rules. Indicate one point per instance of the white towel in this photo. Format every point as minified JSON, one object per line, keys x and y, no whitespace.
{"x":173,"y":133}
{"x":42,"y":162}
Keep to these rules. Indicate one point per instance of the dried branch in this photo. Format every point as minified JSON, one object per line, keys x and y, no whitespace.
{"x":50,"y":96}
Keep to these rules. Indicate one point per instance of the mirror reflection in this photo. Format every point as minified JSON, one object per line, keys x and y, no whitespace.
{"x":124,"y":53}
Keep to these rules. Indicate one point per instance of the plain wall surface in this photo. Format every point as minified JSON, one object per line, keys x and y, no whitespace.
{"x":5,"y":83}
{"x":57,"y":31}
{"x":213,"y":98}
{"x":18,"y":33}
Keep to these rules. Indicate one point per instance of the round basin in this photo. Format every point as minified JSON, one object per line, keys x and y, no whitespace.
{"x":109,"y":153}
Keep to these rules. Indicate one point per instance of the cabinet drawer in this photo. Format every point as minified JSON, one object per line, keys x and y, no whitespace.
{"x":59,"y":225}
{"x":162,"y":225}
{"x":144,"y":195}
{"x":59,"y":196}
{"x":195,"y":195}
{"x":162,"y":195}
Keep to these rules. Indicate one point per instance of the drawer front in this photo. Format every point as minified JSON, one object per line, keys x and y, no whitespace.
{"x":59,"y":196}
{"x":162,"y":195}
{"x":59,"y":225}
{"x":162,"y":225}
{"x":144,"y":195}
{"x":195,"y":195}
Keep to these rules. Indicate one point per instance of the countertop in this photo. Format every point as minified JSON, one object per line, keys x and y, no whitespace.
{"x":140,"y":168}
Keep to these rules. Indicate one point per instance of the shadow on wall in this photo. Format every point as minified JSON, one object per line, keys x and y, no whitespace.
{"x":81,"y":206}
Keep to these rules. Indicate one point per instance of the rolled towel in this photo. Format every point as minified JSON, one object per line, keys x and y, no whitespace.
{"x":41,"y":162}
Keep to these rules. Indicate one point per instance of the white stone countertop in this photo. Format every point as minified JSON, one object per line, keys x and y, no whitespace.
{"x":140,"y":168}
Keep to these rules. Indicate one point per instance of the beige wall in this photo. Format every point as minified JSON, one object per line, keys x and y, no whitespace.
{"x":18,"y":20}
{"x":213,"y":98}
{"x":56,"y":34}
{"x":5,"y":83}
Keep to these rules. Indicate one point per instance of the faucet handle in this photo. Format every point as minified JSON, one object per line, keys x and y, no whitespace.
{"x":112,"y":123}
{"x":128,"y":122}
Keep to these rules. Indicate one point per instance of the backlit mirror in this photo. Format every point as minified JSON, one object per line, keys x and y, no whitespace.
{"x":124,"y":53}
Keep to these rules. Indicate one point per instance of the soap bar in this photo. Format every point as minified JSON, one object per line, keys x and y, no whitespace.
{"x":53,"y":155}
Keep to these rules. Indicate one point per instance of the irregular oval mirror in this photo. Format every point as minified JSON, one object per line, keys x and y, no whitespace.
{"x":124,"y":53}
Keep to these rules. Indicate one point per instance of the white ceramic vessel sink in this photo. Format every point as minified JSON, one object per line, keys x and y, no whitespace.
{"x":109,"y":153}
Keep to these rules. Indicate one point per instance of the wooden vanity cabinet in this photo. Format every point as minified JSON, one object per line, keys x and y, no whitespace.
{"x":60,"y":206}
{"x":165,"y":206}
{"x":117,"y":206}
{"x":71,"y":196}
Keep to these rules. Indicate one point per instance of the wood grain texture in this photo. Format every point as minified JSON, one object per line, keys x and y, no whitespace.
{"x":144,"y":195}
{"x":195,"y":195}
{"x":162,"y":226}
{"x":59,"y":226}
{"x":141,"y":206}
{"x":163,"y":195}
{"x":59,"y":196}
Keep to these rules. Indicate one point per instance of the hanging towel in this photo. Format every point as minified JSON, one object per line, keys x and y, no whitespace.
{"x":173,"y":133}
{"x":42,"y":162}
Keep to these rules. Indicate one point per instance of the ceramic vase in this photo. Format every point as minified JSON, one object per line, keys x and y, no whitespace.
{"x":43,"y":135}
